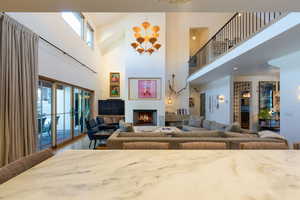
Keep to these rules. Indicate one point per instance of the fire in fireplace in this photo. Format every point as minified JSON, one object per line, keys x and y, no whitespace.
{"x":144,"y":117}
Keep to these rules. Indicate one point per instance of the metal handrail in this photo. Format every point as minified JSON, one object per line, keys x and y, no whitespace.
{"x":240,"y":27}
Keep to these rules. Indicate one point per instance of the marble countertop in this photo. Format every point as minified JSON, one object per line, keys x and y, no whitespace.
{"x":160,"y":174}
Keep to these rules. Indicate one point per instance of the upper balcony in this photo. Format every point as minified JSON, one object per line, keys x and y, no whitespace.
{"x":238,"y":29}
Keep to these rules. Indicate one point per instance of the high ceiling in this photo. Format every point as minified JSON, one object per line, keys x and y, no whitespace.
{"x":102,"y":19}
{"x":147,"y":5}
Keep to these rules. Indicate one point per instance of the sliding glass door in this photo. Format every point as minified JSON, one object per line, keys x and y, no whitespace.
{"x":44,"y":114}
{"x":63,"y":113}
{"x":82,"y":110}
{"x":78,"y":122}
{"x":87,"y":99}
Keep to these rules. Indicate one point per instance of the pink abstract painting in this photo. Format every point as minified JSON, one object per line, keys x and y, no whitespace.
{"x":147,"y":89}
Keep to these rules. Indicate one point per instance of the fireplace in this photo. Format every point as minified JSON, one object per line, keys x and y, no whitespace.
{"x":144,"y":117}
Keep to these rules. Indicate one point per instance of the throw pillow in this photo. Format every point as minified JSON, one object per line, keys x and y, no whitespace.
{"x":125,"y":127}
{"x":270,"y":134}
{"x":235,"y":127}
{"x":206,"y":124}
{"x":195,"y":123}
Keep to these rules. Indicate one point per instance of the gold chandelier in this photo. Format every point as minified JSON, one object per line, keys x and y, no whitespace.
{"x":146,"y":38}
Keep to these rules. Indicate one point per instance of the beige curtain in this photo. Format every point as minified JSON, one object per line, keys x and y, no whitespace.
{"x":18,"y":87}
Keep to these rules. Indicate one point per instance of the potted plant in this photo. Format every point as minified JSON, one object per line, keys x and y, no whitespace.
{"x":264,"y":115}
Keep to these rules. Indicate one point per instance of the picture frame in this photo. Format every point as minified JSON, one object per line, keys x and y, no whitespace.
{"x":114,"y":78}
{"x":114,"y":91}
{"x":144,"y":88}
{"x":114,"y":84}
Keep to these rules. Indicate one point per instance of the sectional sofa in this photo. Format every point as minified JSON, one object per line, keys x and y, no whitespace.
{"x":206,"y":131}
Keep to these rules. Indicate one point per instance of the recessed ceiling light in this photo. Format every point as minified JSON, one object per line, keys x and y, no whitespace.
{"x":235,"y":69}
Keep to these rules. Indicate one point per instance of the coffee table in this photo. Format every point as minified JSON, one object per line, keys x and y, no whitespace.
{"x":157,"y":129}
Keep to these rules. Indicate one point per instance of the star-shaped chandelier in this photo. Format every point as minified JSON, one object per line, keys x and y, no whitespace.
{"x":146,"y":38}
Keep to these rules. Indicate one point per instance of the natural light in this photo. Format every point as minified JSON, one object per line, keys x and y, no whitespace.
{"x":74,"y":20}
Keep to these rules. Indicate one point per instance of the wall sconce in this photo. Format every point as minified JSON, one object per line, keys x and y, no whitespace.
{"x":221,"y":98}
{"x":170,"y":100}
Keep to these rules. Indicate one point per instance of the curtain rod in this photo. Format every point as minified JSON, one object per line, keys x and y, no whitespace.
{"x":67,"y":54}
{"x":64,"y":52}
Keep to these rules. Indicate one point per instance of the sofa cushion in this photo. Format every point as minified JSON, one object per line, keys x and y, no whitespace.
{"x":202,"y":145}
{"x":234,"y":127}
{"x":217,"y":126}
{"x":270,"y":134}
{"x":239,"y":135}
{"x":142,"y":134}
{"x":205,"y":133}
{"x":195,"y":121}
{"x":206,"y":124}
{"x":191,"y":128}
{"x":263,"y":145}
{"x":145,"y":145}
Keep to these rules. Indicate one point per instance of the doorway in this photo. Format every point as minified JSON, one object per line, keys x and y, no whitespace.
{"x":245,"y":109}
{"x":202,"y":104}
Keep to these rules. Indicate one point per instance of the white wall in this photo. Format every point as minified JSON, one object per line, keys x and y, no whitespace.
{"x":144,"y":65}
{"x":289,"y":95}
{"x":178,"y":32}
{"x":54,"y":64}
{"x":219,"y":87}
{"x":113,"y":61}
{"x":118,"y":56}
{"x":254,"y":104}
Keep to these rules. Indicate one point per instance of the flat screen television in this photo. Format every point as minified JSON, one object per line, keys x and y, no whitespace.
{"x":111,"y":107}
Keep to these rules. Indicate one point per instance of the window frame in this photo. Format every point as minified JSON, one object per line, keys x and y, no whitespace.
{"x":89,"y":28}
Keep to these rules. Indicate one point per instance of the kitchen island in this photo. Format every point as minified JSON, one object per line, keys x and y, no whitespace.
{"x":160,"y":174}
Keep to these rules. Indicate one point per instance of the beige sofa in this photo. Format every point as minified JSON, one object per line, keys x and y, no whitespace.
{"x":232,"y":140}
{"x":200,"y":124}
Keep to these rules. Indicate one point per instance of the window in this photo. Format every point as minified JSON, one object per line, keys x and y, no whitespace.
{"x":90,"y":36}
{"x":75,"y":20}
